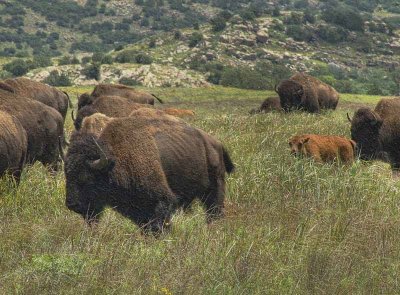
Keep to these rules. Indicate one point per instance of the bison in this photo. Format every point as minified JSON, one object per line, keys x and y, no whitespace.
{"x":46,"y":94}
{"x":377,"y":132}
{"x":304,"y":92}
{"x":145,"y":167}
{"x":13,"y":147}
{"x":268,"y":105}
{"x":116,"y":90}
{"x":323,"y":148}
{"x":95,"y":123}
{"x":43,"y":126}
{"x":111,"y":106}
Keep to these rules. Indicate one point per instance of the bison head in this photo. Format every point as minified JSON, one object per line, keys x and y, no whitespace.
{"x":365,"y":127}
{"x":297,"y":143}
{"x":85,"y":99}
{"x":291,"y":94}
{"x":86,"y":171}
{"x":86,"y":111}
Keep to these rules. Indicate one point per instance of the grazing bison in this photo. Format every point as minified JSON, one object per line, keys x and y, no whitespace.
{"x":13,"y":146}
{"x":95,"y":123}
{"x":43,"y":126}
{"x":111,"y":106}
{"x":46,"y":94}
{"x":179,"y":112}
{"x":268,"y":105}
{"x":144,"y":167}
{"x":117,"y":90}
{"x":377,"y":132}
{"x":303,"y":92}
{"x":323,"y":148}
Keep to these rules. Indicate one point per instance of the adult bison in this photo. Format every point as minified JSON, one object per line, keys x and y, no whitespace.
{"x":111,"y":106}
{"x":268,"y":105}
{"x":46,"y":94}
{"x":304,"y":92}
{"x":323,"y":148}
{"x":117,"y":90}
{"x":13,"y":146}
{"x":43,"y":126}
{"x":145,"y":167}
{"x":377,"y":132}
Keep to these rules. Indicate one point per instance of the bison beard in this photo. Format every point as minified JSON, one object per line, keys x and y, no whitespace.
{"x":145,"y":167}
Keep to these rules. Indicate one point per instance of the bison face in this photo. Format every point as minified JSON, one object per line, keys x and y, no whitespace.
{"x":86,"y":172}
{"x":82,"y":113}
{"x":84,"y":99}
{"x":365,"y":127}
{"x":291,"y":95}
{"x":296,"y":145}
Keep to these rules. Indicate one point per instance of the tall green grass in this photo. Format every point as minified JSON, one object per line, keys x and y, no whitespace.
{"x":291,"y":225}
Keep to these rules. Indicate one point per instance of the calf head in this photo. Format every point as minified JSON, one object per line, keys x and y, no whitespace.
{"x":297,"y":144}
{"x":291,"y":94}
{"x":365,"y":127}
{"x":87,"y":170}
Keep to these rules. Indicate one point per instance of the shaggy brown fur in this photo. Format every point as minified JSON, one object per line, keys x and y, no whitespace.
{"x":323,"y":148}
{"x":304,"y":92}
{"x":154,"y":163}
{"x":179,"y":112}
{"x":111,"y":106}
{"x":116,"y":90}
{"x":44,"y":93}
{"x":13,"y":145}
{"x":43,"y":126}
{"x":95,"y":123}
{"x":377,"y":132}
{"x":268,"y":105}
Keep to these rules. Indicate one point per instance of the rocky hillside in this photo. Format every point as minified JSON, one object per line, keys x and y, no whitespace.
{"x":248,"y":44}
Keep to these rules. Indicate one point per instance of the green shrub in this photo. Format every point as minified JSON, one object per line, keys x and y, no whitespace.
{"x":92,"y":71}
{"x":344,"y":16}
{"x":129,"y":81}
{"x":142,"y":58}
{"x":18,"y":67}
{"x":243,"y":77}
{"x":56,"y":79}
{"x":195,"y":39}
{"x":41,"y":61}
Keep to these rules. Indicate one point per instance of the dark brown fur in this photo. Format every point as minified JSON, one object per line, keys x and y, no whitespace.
{"x":377,"y":132}
{"x":323,"y":148}
{"x":111,"y":106}
{"x":44,"y":93}
{"x":116,"y":90}
{"x":13,"y":146}
{"x":268,"y":105}
{"x":154,"y":164}
{"x":43,"y":126}
{"x":304,"y":92}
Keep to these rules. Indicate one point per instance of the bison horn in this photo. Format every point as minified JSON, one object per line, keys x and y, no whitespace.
{"x":102,"y":163}
{"x":348,"y":117}
{"x":375,"y":121}
{"x":72,"y":116}
{"x":276,"y":90}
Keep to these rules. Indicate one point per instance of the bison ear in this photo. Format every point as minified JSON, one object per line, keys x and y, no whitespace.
{"x":305,"y":140}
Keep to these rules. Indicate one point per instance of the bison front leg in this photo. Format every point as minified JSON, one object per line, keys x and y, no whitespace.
{"x":213,"y":202}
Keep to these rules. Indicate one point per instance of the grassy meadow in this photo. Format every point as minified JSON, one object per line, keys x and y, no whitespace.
{"x":292,"y":226}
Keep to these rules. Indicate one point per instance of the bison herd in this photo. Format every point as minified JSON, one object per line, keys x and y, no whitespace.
{"x":147,"y":162}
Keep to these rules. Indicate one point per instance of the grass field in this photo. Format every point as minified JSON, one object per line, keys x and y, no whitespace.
{"x":292,"y":226}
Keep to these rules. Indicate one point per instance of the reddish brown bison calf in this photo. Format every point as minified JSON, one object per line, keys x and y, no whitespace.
{"x":323,"y":148}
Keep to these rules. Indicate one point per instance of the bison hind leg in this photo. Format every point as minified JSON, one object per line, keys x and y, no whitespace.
{"x":213,"y":201}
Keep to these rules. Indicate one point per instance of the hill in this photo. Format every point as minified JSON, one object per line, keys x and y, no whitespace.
{"x":352,"y":45}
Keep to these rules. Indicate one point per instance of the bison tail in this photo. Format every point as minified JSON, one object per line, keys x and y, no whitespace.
{"x":69,"y":100}
{"x":159,"y":99}
{"x":229,"y":166}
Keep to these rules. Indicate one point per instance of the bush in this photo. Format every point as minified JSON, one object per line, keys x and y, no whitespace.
{"x":218,"y":24}
{"x":41,"y":62}
{"x":55,"y":79}
{"x":144,"y":59}
{"x":344,"y":16}
{"x":195,"y":39}
{"x":299,"y":33}
{"x":126,"y":56}
{"x":332,"y":34}
{"x":18,"y":67}
{"x":243,"y":77}
{"x":92,"y":71}
{"x":129,"y":81}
